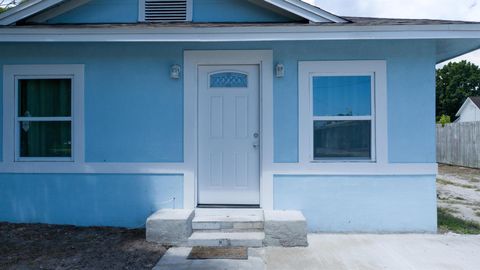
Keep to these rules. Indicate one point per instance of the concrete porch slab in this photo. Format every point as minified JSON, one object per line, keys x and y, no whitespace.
{"x":372,"y":252}
{"x":351,"y":251}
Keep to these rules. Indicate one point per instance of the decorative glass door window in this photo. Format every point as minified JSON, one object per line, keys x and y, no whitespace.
{"x":44,"y":119}
{"x":229,"y":80}
{"x":343,"y":117}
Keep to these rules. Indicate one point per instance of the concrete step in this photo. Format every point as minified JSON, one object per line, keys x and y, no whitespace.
{"x":227,"y":239}
{"x":229,"y":230}
{"x":228,"y":219}
{"x":170,"y":227}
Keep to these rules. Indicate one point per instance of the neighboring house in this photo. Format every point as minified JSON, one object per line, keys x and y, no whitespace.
{"x":470,"y":110}
{"x":114,"y":109}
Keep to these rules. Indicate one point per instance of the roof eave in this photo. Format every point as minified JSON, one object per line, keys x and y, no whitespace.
{"x":25,"y":10}
{"x":242,"y":32}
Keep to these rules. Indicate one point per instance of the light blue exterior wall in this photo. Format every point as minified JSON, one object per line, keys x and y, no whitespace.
{"x":87,"y":200}
{"x":134,"y":113}
{"x":101,"y":11}
{"x":126,"y":11}
{"x":131,"y":98}
{"x":410,"y":91}
{"x":233,"y":11}
{"x":360,"y":203}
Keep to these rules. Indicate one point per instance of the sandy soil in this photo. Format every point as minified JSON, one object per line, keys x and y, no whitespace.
{"x":36,"y":246}
{"x":458,"y":191}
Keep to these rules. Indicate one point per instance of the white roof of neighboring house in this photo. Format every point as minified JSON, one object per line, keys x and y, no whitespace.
{"x":474,"y":100}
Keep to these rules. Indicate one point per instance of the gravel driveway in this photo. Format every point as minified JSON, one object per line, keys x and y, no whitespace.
{"x":458,"y":191}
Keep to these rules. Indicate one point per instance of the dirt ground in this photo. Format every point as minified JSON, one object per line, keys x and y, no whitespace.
{"x":36,"y":246}
{"x":458,"y":191}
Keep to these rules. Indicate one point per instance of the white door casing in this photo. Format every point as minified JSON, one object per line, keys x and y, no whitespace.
{"x":192,"y":60}
{"x":229,"y":135}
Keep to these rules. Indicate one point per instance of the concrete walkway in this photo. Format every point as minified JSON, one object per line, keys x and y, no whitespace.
{"x":176,"y":259}
{"x":362,"y":252}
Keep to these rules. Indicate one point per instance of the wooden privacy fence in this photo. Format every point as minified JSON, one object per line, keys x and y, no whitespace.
{"x":459,"y":144}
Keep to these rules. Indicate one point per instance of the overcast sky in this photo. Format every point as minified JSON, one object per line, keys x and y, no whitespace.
{"x":467,"y":10}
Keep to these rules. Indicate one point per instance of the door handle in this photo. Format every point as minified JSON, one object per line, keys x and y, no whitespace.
{"x":256,"y":145}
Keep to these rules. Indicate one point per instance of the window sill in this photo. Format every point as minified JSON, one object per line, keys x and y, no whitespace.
{"x":45,"y":160}
{"x":330,"y":161}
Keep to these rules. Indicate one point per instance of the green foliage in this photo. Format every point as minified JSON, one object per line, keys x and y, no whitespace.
{"x":448,"y":223}
{"x":455,"y":83}
{"x":444,"y":119}
{"x":6,"y":4}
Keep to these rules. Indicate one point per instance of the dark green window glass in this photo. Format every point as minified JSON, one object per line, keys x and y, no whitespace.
{"x":45,"y":139}
{"x":44,"y":98}
{"x":44,"y":118}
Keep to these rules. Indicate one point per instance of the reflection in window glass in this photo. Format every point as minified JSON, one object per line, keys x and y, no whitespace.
{"x":45,"y":139}
{"x":44,"y":97}
{"x":342,"y":95}
{"x":342,"y":139}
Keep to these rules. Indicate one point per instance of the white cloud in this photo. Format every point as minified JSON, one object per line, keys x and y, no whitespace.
{"x":465,"y":10}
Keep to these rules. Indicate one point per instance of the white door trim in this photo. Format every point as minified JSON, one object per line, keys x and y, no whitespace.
{"x":193,"y":59}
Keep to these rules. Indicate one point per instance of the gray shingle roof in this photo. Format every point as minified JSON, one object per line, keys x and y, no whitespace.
{"x":352,"y":21}
{"x":476,"y":101}
{"x":365,"y":21}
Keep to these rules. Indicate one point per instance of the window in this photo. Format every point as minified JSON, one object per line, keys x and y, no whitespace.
{"x":44,"y":107}
{"x":343,"y":111}
{"x":44,"y":118}
{"x":342,"y":117}
{"x":165,"y":10}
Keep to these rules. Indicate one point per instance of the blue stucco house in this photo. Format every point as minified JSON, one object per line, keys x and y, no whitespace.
{"x":114,"y":109}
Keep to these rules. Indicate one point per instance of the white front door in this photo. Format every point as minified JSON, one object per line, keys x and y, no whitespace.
{"x":229,"y":135}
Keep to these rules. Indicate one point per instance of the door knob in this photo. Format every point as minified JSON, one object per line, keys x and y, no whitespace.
{"x":256,"y":145}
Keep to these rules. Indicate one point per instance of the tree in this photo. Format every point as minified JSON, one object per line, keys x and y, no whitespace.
{"x":455,"y":83}
{"x":444,"y":119}
{"x":6,"y":4}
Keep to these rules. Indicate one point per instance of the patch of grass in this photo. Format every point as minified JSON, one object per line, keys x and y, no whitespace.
{"x":447,"y":222}
{"x":477,"y":213}
{"x":447,"y":182}
{"x":451,"y":210}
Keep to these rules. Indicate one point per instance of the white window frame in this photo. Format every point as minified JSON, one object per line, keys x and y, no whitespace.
{"x":377,"y":71}
{"x":371,"y":118}
{"x":11,"y":120}
{"x":141,"y":11}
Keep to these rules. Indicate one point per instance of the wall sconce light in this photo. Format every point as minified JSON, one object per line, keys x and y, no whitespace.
{"x":280,"y":71}
{"x":175,"y":71}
